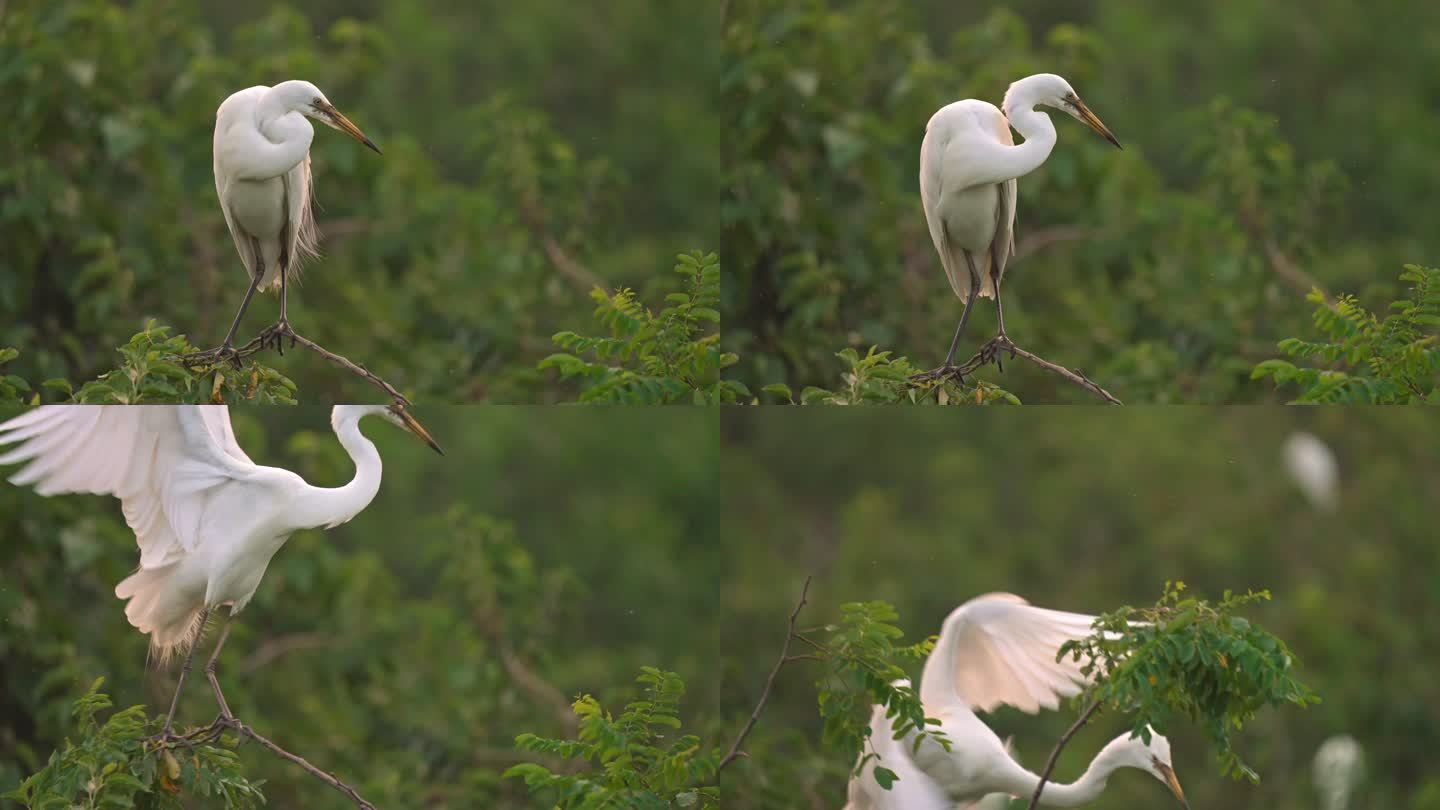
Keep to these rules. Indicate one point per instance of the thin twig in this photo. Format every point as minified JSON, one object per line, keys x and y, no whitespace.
{"x":274,"y":648}
{"x":538,"y":688}
{"x":735,"y":752}
{"x":259,"y":343}
{"x":536,"y":220}
{"x":1060,"y":746}
{"x":328,"y":778}
{"x":988,"y":355}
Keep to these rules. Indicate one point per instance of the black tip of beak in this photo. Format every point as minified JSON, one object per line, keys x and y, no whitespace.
{"x":436,"y":448}
{"x":372,"y":145}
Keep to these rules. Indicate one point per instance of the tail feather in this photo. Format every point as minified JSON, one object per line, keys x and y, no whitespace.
{"x":173,"y":627}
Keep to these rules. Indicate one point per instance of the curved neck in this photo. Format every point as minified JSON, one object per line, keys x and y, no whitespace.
{"x":328,"y":507}
{"x":1039,"y":133}
{"x":284,"y":140}
{"x":1082,"y":791}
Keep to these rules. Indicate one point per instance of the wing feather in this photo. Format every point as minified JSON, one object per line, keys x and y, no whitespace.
{"x":164,"y":463}
{"x":1004,"y":653}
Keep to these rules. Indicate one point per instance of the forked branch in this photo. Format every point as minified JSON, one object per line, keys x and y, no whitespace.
{"x":991,"y":352}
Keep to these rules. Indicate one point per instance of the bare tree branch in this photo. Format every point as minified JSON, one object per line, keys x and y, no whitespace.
{"x":1060,"y":746}
{"x":579,"y":274}
{"x":735,"y":752}
{"x":274,"y":648}
{"x":990,"y":353}
{"x":1038,"y":240}
{"x":272,"y":339}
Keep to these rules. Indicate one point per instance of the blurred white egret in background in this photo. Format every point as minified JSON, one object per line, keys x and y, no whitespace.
{"x":969,"y":165}
{"x":1339,"y":767}
{"x":1312,"y":465}
{"x":912,"y":790}
{"x":997,"y":650}
{"x":262,"y":174}
{"x":206,"y":517}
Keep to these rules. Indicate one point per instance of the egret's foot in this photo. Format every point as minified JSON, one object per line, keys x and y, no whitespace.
{"x":990,"y":352}
{"x":214,"y":357}
{"x":273,"y":337}
{"x":945,"y":372}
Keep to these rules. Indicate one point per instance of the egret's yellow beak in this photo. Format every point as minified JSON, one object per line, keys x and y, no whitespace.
{"x":1093,"y":121}
{"x":338,"y":120}
{"x":1169,"y":774}
{"x":415,"y":427}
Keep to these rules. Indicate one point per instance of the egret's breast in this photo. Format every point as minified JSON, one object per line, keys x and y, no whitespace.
{"x":969,"y":216}
{"x":257,"y":206}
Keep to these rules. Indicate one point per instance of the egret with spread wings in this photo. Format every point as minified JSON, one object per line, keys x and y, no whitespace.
{"x":969,"y":168}
{"x":206,"y":517}
{"x":997,"y":650}
{"x":262,"y":174}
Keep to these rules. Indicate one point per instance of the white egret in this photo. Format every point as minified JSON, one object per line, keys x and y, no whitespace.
{"x":998,"y":650}
{"x":912,"y":789}
{"x":1339,"y":769}
{"x":1312,"y":466}
{"x":262,"y":174}
{"x":969,"y":165}
{"x":206,"y":517}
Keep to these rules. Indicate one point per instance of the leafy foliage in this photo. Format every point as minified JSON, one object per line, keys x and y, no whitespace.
{"x":860,"y":663}
{"x":649,"y":358}
{"x":1390,"y":360}
{"x":150,"y":372}
{"x":879,"y":379}
{"x":1189,"y":658}
{"x":13,"y":388}
{"x":114,"y":765}
{"x":640,"y":761}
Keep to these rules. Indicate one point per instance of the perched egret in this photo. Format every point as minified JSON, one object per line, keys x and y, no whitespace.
{"x":1313,"y":468}
{"x":912,"y":789}
{"x":969,"y":165}
{"x":262,"y":174}
{"x":206,"y":517}
{"x":998,"y":650}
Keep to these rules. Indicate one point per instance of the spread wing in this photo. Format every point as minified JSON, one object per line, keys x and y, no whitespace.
{"x":1004,"y":653}
{"x":164,"y":462}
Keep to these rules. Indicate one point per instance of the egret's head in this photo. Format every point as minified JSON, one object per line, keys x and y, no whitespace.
{"x":1050,"y":90}
{"x":311,"y":103}
{"x":394,"y":414}
{"x":1152,"y":757}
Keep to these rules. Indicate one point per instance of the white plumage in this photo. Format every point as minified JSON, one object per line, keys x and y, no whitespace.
{"x":1314,"y":469}
{"x":206,"y":518}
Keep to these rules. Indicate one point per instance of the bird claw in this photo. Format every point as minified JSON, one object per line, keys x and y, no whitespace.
{"x":213,"y":357}
{"x":990,"y":352}
{"x":941,"y":373}
{"x":274,"y":337}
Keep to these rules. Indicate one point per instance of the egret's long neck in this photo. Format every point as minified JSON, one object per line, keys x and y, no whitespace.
{"x":284,"y":142}
{"x":1035,"y":127}
{"x":331,"y":506}
{"x":1084,"y":790}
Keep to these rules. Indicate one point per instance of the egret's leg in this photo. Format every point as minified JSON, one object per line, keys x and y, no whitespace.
{"x":210,"y":669}
{"x":240,"y":314}
{"x":965,"y":314}
{"x":184,"y":671}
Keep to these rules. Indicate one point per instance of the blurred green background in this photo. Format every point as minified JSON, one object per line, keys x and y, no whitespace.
{"x":578,"y":544}
{"x":1087,"y":511}
{"x":1269,"y":147}
{"x":532,"y":151}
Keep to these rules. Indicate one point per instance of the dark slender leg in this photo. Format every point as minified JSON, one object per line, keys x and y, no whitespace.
{"x":210,"y":669}
{"x":948,"y":367}
{"x":226,"y":350}
{"x":184,"y":671}
{"x":992,"y":350}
